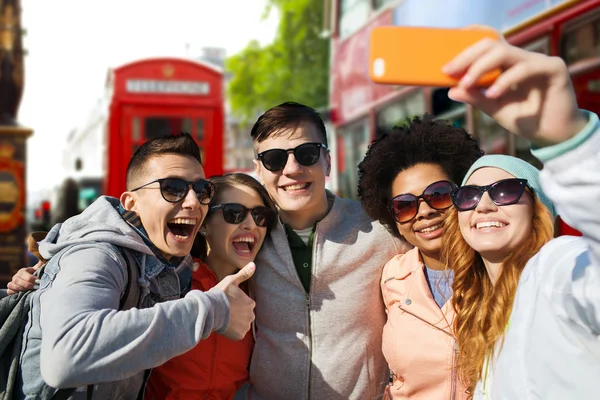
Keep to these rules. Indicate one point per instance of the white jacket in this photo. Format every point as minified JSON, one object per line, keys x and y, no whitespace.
{"x":551,"y":349}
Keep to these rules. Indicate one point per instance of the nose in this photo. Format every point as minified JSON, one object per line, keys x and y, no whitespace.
{"x":292,"y":167}
{"x":486,"y":204}
{"x":248,"y":223}
{"x":424,"y":210}
{"x":190,"y":200}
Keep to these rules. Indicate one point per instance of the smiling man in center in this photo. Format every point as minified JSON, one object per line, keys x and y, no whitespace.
{"x":319,"y":313}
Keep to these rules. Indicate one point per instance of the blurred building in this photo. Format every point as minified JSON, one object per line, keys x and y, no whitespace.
{"x":360,"y":110}
{"x":238,"y":143}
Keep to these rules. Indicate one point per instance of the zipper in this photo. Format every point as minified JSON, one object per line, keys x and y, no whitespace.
{"x":454,"y":349}
{"x":390,"y":385}
{"x":453,"y":387}
{"x":307,"y":296}
{"x":310,"y":344}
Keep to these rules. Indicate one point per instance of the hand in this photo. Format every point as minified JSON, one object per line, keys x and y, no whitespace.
{"x":533,"y":97}
{"x":241,"y":307}
{"x":24,"y":279}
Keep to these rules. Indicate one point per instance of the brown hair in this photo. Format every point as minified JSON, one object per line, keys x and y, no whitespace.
{"x":199,"y":249}
{"x":288,"y":115}
{"x":483,"y":309}
{"x":182,"y":144}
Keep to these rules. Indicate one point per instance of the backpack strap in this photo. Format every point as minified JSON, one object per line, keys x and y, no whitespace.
{"x":131,"y":294}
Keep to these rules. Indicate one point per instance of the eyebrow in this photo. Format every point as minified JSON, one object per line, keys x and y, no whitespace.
{"x":183,"y":178}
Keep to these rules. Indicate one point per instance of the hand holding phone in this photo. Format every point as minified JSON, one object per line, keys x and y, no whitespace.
{"x":415,"y":56}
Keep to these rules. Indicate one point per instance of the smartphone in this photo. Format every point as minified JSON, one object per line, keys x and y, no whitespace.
{"x":414,"y":56}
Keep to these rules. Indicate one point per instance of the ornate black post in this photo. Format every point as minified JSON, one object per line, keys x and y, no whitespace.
{"x":12,"y":142}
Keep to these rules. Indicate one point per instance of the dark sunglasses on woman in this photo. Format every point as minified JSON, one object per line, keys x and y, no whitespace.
{"x":503,"y":193}
{"x":234,"y":213}
{"x":405,"y":207}
{"x":174,"y":190}
{"x":306,"y":154}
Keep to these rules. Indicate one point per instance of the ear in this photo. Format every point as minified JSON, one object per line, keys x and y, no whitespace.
{"x":328,"y":162}
{"x":258,"y":170}
{"x":128,"y":201}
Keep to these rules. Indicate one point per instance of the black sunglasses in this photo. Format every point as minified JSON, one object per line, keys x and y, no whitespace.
{"x":405,"y":207}
{"x":503,"y":193}
{"x":234,"y":213}
{"x":174,"y":190}
{"x":306,"y":154}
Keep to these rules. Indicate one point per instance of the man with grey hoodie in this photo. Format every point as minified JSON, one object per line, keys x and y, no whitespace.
{"x":319,"y":313}
{"x":76,"y":335}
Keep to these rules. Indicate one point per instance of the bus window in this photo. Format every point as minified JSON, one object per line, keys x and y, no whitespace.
{"x":581,"y":43}
{"x":377,"y":4}
{"x":399,"y":111}
{"x":493,"y":138}
{"x":354,"y":142}
{"x":353,"y":15}
{"x":443,"y":107}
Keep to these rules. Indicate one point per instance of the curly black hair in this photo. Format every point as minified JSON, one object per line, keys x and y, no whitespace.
{"x":421,"y":141}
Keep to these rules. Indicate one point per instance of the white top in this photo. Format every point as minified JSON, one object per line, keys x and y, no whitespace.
{"x":304,"y":234}
{"x":551,"y":349}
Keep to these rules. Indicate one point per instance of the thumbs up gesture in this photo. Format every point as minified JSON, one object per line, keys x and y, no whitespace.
{"x":241,"y":307}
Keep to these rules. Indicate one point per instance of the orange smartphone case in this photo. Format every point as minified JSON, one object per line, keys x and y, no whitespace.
{"x":415,"y":56}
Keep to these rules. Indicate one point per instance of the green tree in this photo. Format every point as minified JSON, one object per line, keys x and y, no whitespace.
{"x":295,"y":67}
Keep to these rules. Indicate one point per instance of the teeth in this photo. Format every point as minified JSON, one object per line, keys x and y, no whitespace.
{"x":295,"y":187}
{"x":183,"y":221}
{"x":489,"y":224}
{"x":244,"y":239}
{"x":431,"y":228}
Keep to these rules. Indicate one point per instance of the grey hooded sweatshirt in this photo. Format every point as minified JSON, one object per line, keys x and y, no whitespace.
{"x":76,"y":336}
{"x":325,"y":344}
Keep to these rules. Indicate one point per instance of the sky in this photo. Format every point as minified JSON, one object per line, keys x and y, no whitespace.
{"x":72,"y":43}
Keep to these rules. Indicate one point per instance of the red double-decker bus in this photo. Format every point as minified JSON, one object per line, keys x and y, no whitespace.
{"x":143,"y":99}
{"x":361,"y":110}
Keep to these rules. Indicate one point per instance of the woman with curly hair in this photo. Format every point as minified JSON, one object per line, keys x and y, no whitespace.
{"x":527,"y":306}
{"x":406,"y":179}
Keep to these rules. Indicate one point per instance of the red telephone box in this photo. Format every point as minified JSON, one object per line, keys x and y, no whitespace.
{"x":157,"y":97}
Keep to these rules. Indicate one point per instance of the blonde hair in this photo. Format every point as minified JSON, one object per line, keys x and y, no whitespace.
{"x":483,"y":309}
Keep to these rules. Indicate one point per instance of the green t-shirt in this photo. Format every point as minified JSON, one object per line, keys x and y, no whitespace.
{"x":302,"y":255}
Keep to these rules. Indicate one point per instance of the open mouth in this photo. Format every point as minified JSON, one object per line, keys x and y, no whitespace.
{"x":296,"y":186}
{"x":490,"y":224}
{"x":243,"y":245}
{"x":182,"y":228}
{"x":432,"y":228}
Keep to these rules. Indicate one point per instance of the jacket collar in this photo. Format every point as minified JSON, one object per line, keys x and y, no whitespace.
{"x":134,"y":220}
{"x":418,"y":295}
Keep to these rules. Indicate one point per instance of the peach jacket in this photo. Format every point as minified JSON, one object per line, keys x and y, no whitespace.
{"x":418,"y":341}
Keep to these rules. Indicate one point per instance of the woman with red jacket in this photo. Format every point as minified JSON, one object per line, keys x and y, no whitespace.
{"x":237,"y":222}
